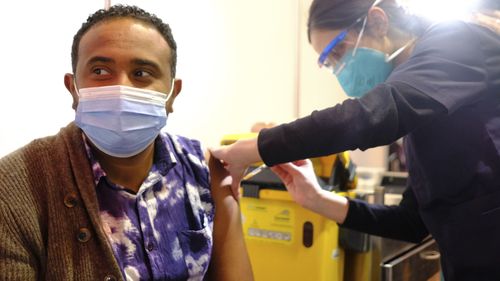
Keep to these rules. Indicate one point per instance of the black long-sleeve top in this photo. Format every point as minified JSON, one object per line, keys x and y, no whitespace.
{"x":445,"y":101}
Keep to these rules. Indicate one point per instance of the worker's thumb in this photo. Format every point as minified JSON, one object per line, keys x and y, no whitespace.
{"x":290,"y":168}
{"x":217,"y":152}
{"x":303,"y":162}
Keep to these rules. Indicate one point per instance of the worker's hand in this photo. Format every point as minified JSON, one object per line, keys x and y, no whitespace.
{"x":301,"y":182}
{"x":219,"y":176}
{"x":236,"y":158}
{"x":489,"y":19}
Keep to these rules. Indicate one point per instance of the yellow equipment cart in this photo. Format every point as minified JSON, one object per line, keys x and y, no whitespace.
{"x":284,"y":240}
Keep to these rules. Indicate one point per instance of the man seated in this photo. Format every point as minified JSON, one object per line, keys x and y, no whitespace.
{"x":110,"y":197}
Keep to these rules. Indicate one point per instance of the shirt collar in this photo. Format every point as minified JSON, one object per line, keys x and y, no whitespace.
{"x":164,"y":158}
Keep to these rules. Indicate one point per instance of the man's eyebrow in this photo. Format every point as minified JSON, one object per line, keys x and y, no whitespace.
{"x":145,"y":62}
{"x":99,"y":59}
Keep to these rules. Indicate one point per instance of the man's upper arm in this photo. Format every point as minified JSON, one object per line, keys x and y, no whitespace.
{"x":230,"y":259}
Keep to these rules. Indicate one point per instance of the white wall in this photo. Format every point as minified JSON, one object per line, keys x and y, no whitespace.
{"x":35,"y":48}
{"x":237,"y":60}
{"x":241,"y":62}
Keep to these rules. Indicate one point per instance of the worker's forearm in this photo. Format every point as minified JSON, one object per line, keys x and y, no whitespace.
{"x":331,"y":205}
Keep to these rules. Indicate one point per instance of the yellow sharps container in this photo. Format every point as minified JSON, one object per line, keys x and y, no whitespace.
{"x":284,"y":240}
{"x":288,"y":242}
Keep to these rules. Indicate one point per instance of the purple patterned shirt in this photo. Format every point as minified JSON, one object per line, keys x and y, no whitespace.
{"x":164,"y":232}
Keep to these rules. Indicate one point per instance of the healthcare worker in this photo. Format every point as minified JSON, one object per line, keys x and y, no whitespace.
{"x":436,"y":85}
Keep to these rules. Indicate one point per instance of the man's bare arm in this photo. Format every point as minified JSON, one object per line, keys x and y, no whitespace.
{"x":230,"y":259}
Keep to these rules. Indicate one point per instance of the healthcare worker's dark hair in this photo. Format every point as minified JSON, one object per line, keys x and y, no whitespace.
{"x":125,"y":11}
{"x":339,"y":14}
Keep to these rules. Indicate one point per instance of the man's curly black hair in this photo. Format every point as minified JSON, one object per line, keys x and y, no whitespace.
{"x":125,"y":11}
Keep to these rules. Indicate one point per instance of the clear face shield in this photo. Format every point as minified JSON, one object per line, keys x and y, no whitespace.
{"x":357,"y":69}
{"x":333,"y":52}
{"x":332,"y":56}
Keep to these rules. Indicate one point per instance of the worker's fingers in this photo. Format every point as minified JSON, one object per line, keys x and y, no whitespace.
{"x":302,"y":163}
{"x":285,"y":177}
{"x":290,"y":168}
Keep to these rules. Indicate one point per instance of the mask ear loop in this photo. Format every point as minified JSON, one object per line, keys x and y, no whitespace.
{"x":76,"y":87}
{"x":399,"y":51}
{"x":171,"y":90}
{"x":170,"y":93}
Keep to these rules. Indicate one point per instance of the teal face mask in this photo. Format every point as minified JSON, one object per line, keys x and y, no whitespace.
{"x":361,"y":69}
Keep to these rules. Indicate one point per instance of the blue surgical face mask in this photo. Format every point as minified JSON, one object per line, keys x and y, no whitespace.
{"x":361,"y":71}
{"x":121,"y":121}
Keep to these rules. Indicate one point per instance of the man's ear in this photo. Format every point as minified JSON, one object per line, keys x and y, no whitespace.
{"x":69,"y":82}
{"x":377,"y":23}
{"x":176,"y":91}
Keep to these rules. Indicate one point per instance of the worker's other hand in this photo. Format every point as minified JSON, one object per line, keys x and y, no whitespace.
{"x":236,"y":158}
{"x":301,"y":182}
{"x":488,"y":19}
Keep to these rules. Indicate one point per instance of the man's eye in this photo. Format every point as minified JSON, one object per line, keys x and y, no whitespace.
{"x":142,"y":73}
{"x":100,"y":71}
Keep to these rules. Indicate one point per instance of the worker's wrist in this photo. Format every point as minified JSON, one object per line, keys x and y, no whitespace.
{"x":251,"y":148}
{"x":333,"y":206}
{"x":318,"y":202}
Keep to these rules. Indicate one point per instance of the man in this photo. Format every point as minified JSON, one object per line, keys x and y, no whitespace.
{"x":110,"y":197}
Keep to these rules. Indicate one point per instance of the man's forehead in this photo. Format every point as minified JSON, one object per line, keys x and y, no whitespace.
{"x":125,"y":34}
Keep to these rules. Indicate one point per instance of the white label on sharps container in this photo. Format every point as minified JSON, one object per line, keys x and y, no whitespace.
{"x":270,"y":234}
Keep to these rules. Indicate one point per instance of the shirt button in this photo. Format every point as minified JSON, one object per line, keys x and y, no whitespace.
{"x":83,"y":235}
{"x":109,"y":278}
{"x":70,"y":200}
{"x":150,"y":247}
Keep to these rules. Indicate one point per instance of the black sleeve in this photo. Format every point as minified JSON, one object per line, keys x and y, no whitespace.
{"x":401,"y":222}
{"x":449,"y":65}
{"x":445,"y":72}
{"x":380,"y":117}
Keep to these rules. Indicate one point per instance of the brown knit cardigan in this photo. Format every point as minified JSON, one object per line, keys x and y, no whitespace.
{"x":49,"y":221}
